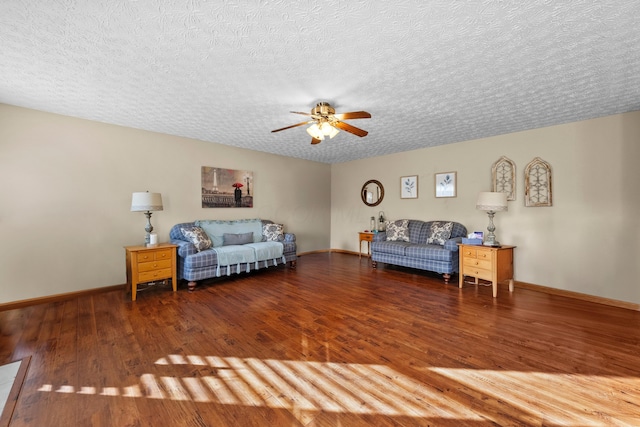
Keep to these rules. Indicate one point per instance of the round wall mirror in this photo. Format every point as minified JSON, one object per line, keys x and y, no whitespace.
{"x":372,"y":193}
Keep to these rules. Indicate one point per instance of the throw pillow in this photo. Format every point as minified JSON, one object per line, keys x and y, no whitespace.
{"x":273,"y":232}
{"x":397,"y":231}
{"x":237,"y":239}
{"x":198,"y":237}
{"x":440,"y":233}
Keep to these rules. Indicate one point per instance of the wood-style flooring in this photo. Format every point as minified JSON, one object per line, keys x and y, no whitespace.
{"x":331,"y":343}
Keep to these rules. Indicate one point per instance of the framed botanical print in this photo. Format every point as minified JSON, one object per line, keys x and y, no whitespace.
{"x":409,"y":187}
{"x":446,"y":184}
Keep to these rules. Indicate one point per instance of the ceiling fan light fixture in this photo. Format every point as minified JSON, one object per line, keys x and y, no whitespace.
{"x":315,"y":131}
{"x":328,"y":130}
{"x":324,"y":122}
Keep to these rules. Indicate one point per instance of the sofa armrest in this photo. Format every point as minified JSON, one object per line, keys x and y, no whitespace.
{"x":184,"y":248}
{"x":379,"y":237}
{"x":289,"y":237}
{"x":452,"y":244}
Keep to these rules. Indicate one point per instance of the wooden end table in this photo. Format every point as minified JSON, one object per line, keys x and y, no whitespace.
{"x":488,"y":263}
{"x":150,"y":264}
{"x":365,"y":236}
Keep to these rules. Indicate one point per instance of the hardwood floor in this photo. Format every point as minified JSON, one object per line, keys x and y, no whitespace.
{"x":331,"y":343}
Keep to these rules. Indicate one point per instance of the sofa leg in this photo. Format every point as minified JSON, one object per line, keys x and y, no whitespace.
{"x":292,"y":264}
{"x":191,"y":286}
{"x":446,"y":277}
{"x":374,"y":264}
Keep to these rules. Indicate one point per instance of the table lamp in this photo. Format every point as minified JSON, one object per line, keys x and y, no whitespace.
{"x":491,"y":202}
{"x":146,"y":202}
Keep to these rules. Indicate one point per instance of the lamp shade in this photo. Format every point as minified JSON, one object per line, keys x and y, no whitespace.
{"x":315,"y":131}
{"x":145,"y":201}
{"x":492,"y":201}
{"x":328,"y":130}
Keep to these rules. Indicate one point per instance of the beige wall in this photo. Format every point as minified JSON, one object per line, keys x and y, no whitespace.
{"x":587,"y":242}
{"x":66,"y":189}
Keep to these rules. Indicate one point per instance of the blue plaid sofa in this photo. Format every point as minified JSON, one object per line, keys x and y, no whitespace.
{"x":196,"y":264}
{"x":423,"y":246}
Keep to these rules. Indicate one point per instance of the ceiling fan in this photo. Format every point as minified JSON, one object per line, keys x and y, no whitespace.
{"x":325,"y":122}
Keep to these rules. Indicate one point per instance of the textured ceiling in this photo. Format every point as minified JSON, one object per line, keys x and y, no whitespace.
{"x":429,"y":72}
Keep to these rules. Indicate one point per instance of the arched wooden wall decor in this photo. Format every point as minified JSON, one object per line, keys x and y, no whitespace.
{"x":503,"y":177}
{"x":537,"y":183}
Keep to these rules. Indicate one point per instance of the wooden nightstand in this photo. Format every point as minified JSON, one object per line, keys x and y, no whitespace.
{"x":365,"y":236}
{"x":488,"y":263}
{"x":151,"y":264}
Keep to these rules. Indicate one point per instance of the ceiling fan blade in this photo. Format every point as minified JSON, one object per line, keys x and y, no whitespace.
{"x":353,"y":115}
{"x":293,"y":126}
{"x":298,"y":112}
{"x":315,"y":141}
{"x":351,"y":129}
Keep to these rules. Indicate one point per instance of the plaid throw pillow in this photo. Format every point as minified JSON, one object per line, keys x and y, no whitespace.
{"x":440,"y":233}
{"x":397,"y":231}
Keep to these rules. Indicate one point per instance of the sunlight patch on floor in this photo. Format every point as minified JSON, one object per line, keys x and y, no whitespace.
{"x":307,"y":387}
{"x":302,"y":387}
{"x":541,"y":393}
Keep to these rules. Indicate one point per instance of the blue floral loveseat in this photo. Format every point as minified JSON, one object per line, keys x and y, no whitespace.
{"x":213,"y":248}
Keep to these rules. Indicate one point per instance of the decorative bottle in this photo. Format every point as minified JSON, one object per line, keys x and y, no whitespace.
{"x":381,"y":220}
{"x":373,"y":224}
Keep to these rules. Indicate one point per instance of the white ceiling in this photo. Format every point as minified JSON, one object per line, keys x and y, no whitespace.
{"x":229,"y":71}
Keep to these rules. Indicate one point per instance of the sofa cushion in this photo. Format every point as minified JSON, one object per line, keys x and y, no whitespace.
{"x":198,"y":237}
{"x":397,"y":231}
{"x":440,"y":233}
{"x":267,"y":250}
{"x":273,"y":232}
{"x":237,"y":238}
{"x":235,"y":254}
{"x":418,"y":231}
{"x":393,"y":247}
{"x":429,"y":252}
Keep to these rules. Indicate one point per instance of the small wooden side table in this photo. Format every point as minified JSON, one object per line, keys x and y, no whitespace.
{"x":365,"y":236}
{"x":487,"y":263}
{"x":149,"y":264}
